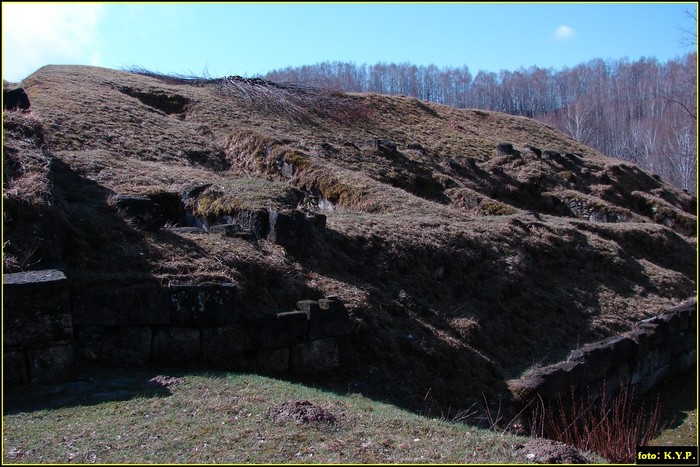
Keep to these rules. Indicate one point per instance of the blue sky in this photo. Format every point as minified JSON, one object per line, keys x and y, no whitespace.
{"x":252,"y":38}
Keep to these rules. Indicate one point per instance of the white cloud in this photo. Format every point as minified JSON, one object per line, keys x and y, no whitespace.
{"x":35,"y":35}
{"x":564,"y":32}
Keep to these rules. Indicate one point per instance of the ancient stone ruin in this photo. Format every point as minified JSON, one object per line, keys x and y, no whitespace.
{"x":291,"y":227}
{"x":48,"y":327}
{"x":656,"y":348}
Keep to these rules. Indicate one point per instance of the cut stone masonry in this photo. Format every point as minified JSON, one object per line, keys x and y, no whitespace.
{"x":48,"y":327}
{"x":656,"y":348}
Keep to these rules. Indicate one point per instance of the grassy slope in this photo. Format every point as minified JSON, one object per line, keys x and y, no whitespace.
{"x":229,"y":418}
{"x":461,"y":268}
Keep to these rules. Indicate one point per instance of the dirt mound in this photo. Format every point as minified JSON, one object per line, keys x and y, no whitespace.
{"x":545,"y":451}
{"x":302,"y":412}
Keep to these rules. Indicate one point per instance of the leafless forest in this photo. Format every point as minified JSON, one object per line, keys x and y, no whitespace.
{"x":641,"y":111}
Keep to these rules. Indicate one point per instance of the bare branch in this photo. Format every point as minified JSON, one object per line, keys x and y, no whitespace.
{"x":669,"y":98}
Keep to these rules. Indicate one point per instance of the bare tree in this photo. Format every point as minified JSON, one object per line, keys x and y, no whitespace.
{"x":690,"y":33}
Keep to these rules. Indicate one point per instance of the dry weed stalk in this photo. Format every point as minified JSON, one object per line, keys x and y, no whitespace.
{"x":294,"y":101}
{"x":613,"y":426}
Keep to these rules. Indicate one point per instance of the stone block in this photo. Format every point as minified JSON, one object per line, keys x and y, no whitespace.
{"x":233,"y":231}
{"x":651,"y":380}
{"x":206,"y":305}
{"x":290,"y":228}
{"x":622,"y":348}
{"x":171,"y":207}
{"x":148,"y":306}
{"x":100,"y":308}
{"x":51,"y":364}
{"x":687,"y":360}
{"x":188,"y":230}
{"x":15,"y":369}
{"x":283,"y":229}
{"x":693,"y":315}
{"x":292,"y":327}
{"x":600,"y":359}
{"x":617,"y":379}
{"x":688,"y":307}
{"x":276,"y":330}
{"x":314,"y":356}
{"x":309,"y":306}
{"x":114,"y":345}
{"x":672,"y":322}
{"x":385,"y":146}
{"x":36,"y":308}
{"x":222,"y":346}
{"x":657,"y":328}
{"x":681,"y":362}
{"x":319,"y":221}
{"x":276,"y":360}
{"x":684,"y":320}
{"x":644,"y":338}
{"x":558,"y":379}
{"x":504,"y":149}
{"x":227,"y":230}
{"x":677,"y":343}
{"x":691,"y":340}
{"x":327,"y":318}
{"x":146,"y":213}
{"x":648,"y":370}
{"x":525,"y":389}
{"x":257,"y":221}
{"x":176,"y":345}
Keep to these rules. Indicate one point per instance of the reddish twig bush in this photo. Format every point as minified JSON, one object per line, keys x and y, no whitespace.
{"x":613,"y":426}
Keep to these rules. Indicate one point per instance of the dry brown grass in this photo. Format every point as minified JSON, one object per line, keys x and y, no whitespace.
{"x":461,"y":268}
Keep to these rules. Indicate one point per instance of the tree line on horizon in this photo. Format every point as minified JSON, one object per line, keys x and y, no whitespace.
{"x":641,"y":111}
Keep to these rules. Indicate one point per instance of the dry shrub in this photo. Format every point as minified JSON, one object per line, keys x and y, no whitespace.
{"x":295,"y":101}
{"x":613,"y":426}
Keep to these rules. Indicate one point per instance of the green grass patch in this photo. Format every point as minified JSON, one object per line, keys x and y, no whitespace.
{"x":227,"y":418}
{"x":237,"y":194}
{"x":679,"y":411}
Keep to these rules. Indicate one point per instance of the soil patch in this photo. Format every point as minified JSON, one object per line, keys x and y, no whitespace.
{"x":302,"y":412}
{"x":545,"y":451}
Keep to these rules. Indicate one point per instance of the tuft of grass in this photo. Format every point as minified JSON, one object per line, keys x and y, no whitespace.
{"x":496,"y":208}
{"x":237,"y":194}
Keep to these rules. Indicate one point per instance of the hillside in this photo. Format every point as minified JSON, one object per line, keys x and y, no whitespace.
{"x":468,"y":246}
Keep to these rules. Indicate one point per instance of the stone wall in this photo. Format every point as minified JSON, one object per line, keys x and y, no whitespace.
{"x":37,"y":328}
{"x":289,"y":227}
{"x":657,"y":347}
{"x":49,"y":325}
